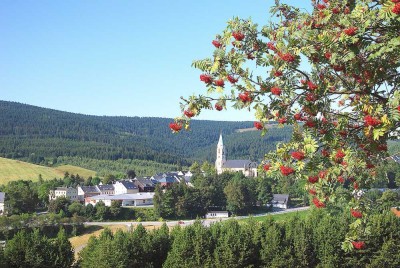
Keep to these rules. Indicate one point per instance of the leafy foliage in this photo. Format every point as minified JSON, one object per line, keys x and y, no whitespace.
{"x":333,"y":74}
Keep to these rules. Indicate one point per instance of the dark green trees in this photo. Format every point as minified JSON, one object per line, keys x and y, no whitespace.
{"x":30,"y":250}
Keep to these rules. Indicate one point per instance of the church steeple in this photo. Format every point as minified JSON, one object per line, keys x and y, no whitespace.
{"x":221,"y":157}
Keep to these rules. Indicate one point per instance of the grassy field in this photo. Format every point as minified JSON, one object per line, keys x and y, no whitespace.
{"x":282,"y":217}
{"x":11,"y":170}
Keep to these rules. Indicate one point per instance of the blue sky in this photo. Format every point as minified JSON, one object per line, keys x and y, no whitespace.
{"x":129,"y":58}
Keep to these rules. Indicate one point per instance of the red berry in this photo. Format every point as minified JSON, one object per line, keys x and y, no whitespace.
{"x":176,"y":127}
{"x":398,"y":108}
{"x":232,"y":79}
{"x":313,"y":179}
{"x":340,"y":179}
{"x":245,"y":97}
{"x":188,"y":113}
{"x":318,"y":203}
{"x":239,"y":36}
{"x":311,"y":97}
{"x":340,"y":154}
{"x":216,"y":43}
{"x":298,"y":155}
{"x":356,"y":213}
{"x":371,"y":121}
{"x":206,"y":78}
{"x":325,"y":153}
{"x":396,"y":8}
{"x":218,"y":107}
{"x":287,"y":57}
{"x":312,"y":191}
{"x":282,"y":120}
{"x":322,"y":174}
{"x":328,"y":55}
{"x":267,"y":167}
{"x":286,"y":171}
{"x":358,"y":244}
{"x":350,"y":31}
{"x":278,"y":73}
{"x":276,"y":91}
{"x":271,"y":46}
{"x":321,"y":6}
{"x":219,"y":82}
{"x":297,"y":116}
{"x":335,"y":10}
{"x":311,"y":85}
{"x":258,"y":125}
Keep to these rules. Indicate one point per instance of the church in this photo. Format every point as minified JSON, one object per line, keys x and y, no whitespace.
{"x":248,"y":168}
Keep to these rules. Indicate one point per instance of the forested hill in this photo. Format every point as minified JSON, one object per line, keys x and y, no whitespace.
{"x":27,"y":130}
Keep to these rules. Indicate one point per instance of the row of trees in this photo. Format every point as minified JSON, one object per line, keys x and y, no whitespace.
{"x":34,"y":250}
{"x":311,"y":242}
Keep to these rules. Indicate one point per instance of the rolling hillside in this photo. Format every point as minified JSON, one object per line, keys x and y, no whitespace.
{"x":14,"y":169}
{"x":32,"y":133}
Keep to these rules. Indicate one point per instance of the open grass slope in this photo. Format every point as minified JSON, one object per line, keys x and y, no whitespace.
{"x":11,"y":170}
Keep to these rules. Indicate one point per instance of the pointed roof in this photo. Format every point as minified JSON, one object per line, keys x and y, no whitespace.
{"x":220,"y":139}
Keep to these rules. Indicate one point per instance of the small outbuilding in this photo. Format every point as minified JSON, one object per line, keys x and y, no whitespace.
{"x":280,"y":201}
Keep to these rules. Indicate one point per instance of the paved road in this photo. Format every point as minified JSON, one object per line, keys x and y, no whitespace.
{"x":206,"y":222}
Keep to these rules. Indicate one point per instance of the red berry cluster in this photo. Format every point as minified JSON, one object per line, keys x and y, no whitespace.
{"x":218,"y":107}
{"x":396,"y":8}
{"x":239,"y":36}
{"x":298,"y":155}
{"x":258,"y":125}
{"x":188,"y":113}
{"x":175,"y":126}
{"x":266,"y":167}
{"x":340,"y":154}
{"x":271,"y":46}
{"x":313,"y":179}
{"x":356,"y":214}
{"x":287,"y":57}
{"x":206,"y":78}
{"x":371,"y":121}
{"x":276,"y":91}
{"x":216,"y":43}
{"x":318,"y":203}
{"x":278,"y":73}
{"x":311,"y":85}
{"x":312,"y":191}
{"x":350,"y":31}
{"x":286,"y":171}
{"x":340,"y":179}
{"x":321,"y":6}
{"x":245,"y":97}
{"x":358,"y":244}
{"x":282,"y":120}
{"x":232,"y":79}
{"x":219,"y":82}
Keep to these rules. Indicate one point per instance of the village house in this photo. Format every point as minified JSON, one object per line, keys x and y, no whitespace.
{"x":136,"y":200}
{"x":106,"y":188}
{"x":145,"y":184}
{"x":125,"y":187}
{"x":2,"y":201}
{"x":67,"y":192}
{"x":247,"y":167}
{"x":280,"y":201}
{"x":87,"y":191}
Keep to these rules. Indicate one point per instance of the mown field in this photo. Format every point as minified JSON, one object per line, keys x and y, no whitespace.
{"x":11,"y":170}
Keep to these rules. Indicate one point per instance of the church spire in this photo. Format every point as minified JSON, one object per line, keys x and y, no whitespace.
{"x":220,"y":142}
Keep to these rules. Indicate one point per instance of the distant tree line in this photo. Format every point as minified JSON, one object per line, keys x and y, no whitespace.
{"x":41,"y":135}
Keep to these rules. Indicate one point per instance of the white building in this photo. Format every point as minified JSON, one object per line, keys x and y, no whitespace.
{"x":67,"y":192}
{"x":136,"y":200}
{"x":2,"y":201}
{"x":248,"y":168}
{"x":217,"y":214}
{"x":125,"y":187}
{"x":87,"y":191}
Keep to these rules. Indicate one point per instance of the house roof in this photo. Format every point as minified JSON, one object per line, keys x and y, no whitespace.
{"x":128,"y":184}
{"x":146,"y":182}
{"x":105,"y":187}
{"x":236,"y":163}
{"x":280,"y":198}
{"x":168,"y":180}
{"x":137,"y":196}
{"x":89,"y":189}
{"x":2,"y":197}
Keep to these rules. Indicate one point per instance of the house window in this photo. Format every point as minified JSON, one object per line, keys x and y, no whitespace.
{"x":144,"y":201}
